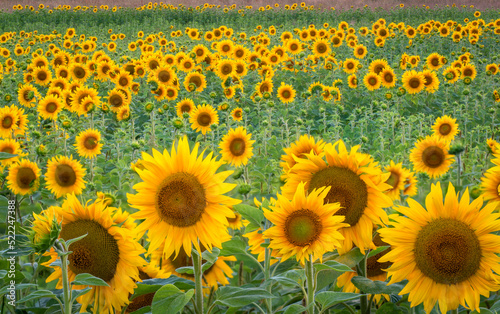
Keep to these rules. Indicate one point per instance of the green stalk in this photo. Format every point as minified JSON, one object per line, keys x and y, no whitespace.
{"x":267,"y":276}
{"x":310,"y":284}
{"x":363,"y":300}
{"x":65,"y":279}
{"x":198,"y":300}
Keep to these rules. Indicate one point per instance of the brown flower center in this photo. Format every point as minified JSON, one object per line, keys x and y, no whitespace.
{"x":302,"y":227}
{"x":237,"y":147}
{"x":433,"y":156}
{"x":25,"y":176}
{"x":65,"y":175}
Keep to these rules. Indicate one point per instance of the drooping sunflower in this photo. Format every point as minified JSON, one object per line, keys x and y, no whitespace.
{"x":202,"y":117}
{"x":181,"y":200}
{"x":356,"y":182}
{"x":236,"y":147}
{"x":413,"y":81}
{"x":430,"y":155}
{"x":396,"y":180}
{"x":304,"y":226}
{"x":306,"y":144}
{"x":50,"y":106}
{"x":446,"y":128}
{"x":446,"y":251}
{"x":109,"y":252}
{"x":88,"y":143}
{"x":286,"y":93}
{"x":23,"y":177}
{"x":64,"y":175}
{"x":372,"y":81}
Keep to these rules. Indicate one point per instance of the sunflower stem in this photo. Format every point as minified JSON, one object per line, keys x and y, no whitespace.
{"x":267,"y":275}
{"x":65,"y":280}
{"x":198,"y":301}
{"x":310,"y":284}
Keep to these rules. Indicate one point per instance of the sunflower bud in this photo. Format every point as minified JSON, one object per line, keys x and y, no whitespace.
{"x":456,"y":148}
{"x":244,"y":189}
{"x":135,"y":145}
{"x":213,"y":94}
{"x":178,"y":124}
{"x":148,"y":107}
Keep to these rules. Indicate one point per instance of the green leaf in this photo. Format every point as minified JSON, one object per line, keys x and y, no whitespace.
{"x":330,"y":298}
{"x":18,"y":287}
{"x":377,"y":250}
{"x":88,"y":280}
{"x":181,"y":283}
{"x":4,"y":155}
{"x":285,"y":281}
{"x":391,"y":308}
{"x":78,"y":293}
{"x":233,"y":247}
{"x":351,"y":258}
{"x":38,"y":294}
{"x":483,"y":311}
{"x":69,"y":242}
{"x":375,"y":287}
{"x":252,"y":214}
{"x":143,"y":310}
{"x":2,"y":273}
{"x":169,"y":299}
{"x":333,"y":265}
{"x":185,"y":270}
{"x":211,"y":256}
{"x":240,"y":296}
{"x":294,"y":309}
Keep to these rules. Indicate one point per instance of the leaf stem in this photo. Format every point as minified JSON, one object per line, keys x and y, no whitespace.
{"x":310,"y":284}
{"x":198,"y":304}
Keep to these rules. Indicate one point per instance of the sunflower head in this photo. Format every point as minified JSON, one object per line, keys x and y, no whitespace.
{"x":236,"y":146}
{"x":430,"y":155}
{"x":45,"y":230}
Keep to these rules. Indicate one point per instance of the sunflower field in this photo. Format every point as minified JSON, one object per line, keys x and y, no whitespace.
{"x":232,"y":159}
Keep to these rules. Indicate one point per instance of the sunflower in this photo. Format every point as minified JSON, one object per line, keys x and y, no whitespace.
{"x":181,"y":200}
{"x":123,"y":113}
{"x":225,"y":68}
{"x":264,"y":86}
{"x":236,"y":147}
{"x":360,"y":51}
{"x":356,"y":182}
{"x":431,"y":82}
{"x":202,"y":117}
{"x":433,"y":61}
{"x":150,"y":271}
{"x":79,"y":72}
{"x":117,"y":99}
{"x":445,"y":128}
{"x":23,"y":177}
{"x":27,"y":95}
{"x":50,"y":106}
{"x":321,"y":48}
{"x":123,"y":80}
{"x":430,"y":155}
{"x":108,"y":252}
{"x":10,"y":146}
{"x":413,"y":81}
{"x":303,"y":225}
{"x":446,"y":251}
{"x":22,"y":121}
{"x":162,"y":74}
{"x":493,"y":146}
{"x":451,"y":74}
{"x":352,"y":81}
{"x":376,"y":66}
{"x":286,"y":93}
{"x":8,"y":121}
{"x":388,"y":77}
{"x":42,"y":76}
{"x":469,"y":70}
{"x":372,"y":81}
{"x":350,"y":66}
{"x":197,"y":79}
{"x":184,"y":106}
{"x":88,"y":143}
{"x":294,"y":46}
{"x":396,"y":180}
{"x":64,"y":175}
{"x":489,"y":185}
{"x":306,"y":144}
{"x":237,"y":114}
{"x":225,"y":48}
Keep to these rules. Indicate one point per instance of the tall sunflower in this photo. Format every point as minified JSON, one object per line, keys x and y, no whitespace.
{"x":446,"y":251}
{"x":430,"y":155}
{"x":304,"y":225}
{"x":356,"y":182}
{"x":88,"y":143}
{"x":446,"y":128}
{"x":286,"y":93}
{"x":64,"y":175}
{"x":23,"y":177}
{"x":108,"y":252}
{"x":236,"y":147}
{"x":202,"y":117}
{"x":181,"y":200}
